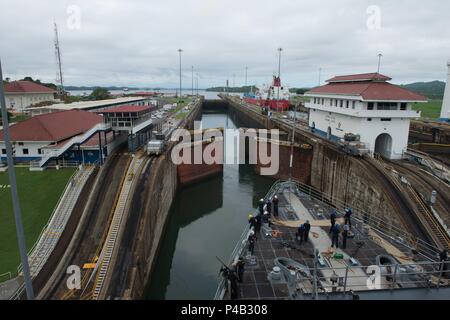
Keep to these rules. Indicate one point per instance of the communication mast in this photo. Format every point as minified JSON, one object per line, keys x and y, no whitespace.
{"x":59,"y":74}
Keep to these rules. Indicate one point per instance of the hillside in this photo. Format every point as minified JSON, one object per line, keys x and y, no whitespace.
{"x":432,"y":90}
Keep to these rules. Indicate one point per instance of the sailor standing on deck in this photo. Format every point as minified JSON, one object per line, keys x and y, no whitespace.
{"x":345,"y":236}
{"x":347,"y":216}
{"x":335,"y":236}
{"x":332,"y":219}
{"x":269,"y":206}
{"x":300,"y":233}
{"x":275,"y":206}
{"x":240,"y":268}
{"x":251,"y":242}
{"x":261,"y":206}
{"x":307,"y":226}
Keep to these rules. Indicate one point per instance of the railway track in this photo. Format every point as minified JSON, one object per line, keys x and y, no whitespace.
{"x":425,"y":181}
{"x":93,"y":234}
{"x":394,"y":192}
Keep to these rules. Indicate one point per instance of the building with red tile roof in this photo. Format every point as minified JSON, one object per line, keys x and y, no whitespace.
{"x":366,"y":105}
{"x":55,"y":131}
{"x":20,"y":95}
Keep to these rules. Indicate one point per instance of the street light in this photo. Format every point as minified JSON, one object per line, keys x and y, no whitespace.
{"x":279,"y":74}
{"x":246,"y":69}
{"x":15,"y":195}
{"x":192,"y":85}
{"x":179,"y":53}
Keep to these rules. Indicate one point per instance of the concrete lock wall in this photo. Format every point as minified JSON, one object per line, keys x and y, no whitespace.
{"x":158,"y":196}
{"x":336,"y":174}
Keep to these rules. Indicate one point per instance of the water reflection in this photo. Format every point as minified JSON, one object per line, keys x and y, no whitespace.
{"x":205,"y":221}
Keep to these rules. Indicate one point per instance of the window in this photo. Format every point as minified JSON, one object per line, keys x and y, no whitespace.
{"x":323,"y":101}
{"x":20,"y":143}
{"x":342,"y":103}
{"x":353,"y":104}
{"x":39,"y":151}
{"x":385,"y":119}
{"x":25,"y":151}
{"x":369,"y":119}
{"x":403,"y":106}
{"x":3,"y":151}
{"x":370,"y":106}
{"x":386,"y":106}
{"x":348,"y":103}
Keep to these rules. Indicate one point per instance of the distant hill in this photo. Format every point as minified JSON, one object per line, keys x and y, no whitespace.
{"x":242,"y":89}
{"x":88,"y":88}
{"x":432,"y":90}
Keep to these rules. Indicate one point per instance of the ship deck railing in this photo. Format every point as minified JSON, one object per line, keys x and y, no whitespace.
{"x":386,"y":229}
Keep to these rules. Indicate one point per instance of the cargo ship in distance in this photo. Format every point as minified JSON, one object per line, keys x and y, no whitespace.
{"x":274,"y":96}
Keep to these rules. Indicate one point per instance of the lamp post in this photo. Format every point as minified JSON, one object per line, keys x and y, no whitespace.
{"x":246,"y":69}
{"x":179,"y":53}
{"x":192,"y":85}
{"x":279,"y":73}
{"x":320,"y":75}
{"x":15,"y":195}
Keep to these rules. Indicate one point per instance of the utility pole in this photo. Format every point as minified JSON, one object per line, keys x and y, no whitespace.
{"x":179,"y":53}
{"x":192,"y":85}
{"x":379,"y":62}
{"x":246,"y":69}
{"x":196,"y":83}
{"x":59,"y":74}
{"x":279,"y":71}
{"x":291,"y":161}
{"x":14,"y":194}
{"x":320,"y":75}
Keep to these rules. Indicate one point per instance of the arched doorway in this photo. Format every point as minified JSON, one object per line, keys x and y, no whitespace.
{"x":329,"y":133}
{"x":383,"y":145}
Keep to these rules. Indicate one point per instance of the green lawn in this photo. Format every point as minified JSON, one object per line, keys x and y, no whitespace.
{"x":181,"y":102}
{"x":19,"y":118}
{"x":38,"y":193}
{"x":430,"y":110}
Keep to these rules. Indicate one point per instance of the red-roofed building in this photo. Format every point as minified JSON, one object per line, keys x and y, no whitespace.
{"x":366,"y":105}
{"x":20,"y":95}
{"x":59,"y":136}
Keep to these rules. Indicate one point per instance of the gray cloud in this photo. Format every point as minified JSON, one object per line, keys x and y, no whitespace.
{"x":135,"y":42}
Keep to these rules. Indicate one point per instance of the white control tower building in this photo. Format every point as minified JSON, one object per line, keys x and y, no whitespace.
{"x":445,"y":111}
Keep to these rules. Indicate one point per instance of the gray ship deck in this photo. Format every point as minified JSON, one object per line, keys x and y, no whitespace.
{"x":296,"y":206}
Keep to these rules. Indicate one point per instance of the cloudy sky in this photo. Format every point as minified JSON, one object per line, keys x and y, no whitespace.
{"x":135,"y":42}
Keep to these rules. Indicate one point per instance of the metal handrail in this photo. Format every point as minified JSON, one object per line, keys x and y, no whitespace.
{"x":241,"y":244}
{"x":404,"y":241}
{"x":371,"y":220}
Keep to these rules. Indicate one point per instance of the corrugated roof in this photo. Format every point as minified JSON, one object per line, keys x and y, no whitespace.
{"x":54,"y":127}
{"x":26,"y":87}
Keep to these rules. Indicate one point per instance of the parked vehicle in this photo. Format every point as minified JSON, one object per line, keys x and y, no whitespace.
{"x":157,"y":145}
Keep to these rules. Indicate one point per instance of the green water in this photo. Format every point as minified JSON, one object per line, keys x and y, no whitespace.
{"x":205,"y":221}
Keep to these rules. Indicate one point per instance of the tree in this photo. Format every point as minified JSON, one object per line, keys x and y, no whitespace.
{"x":100,"y":94}
{"x":9,"y":116}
